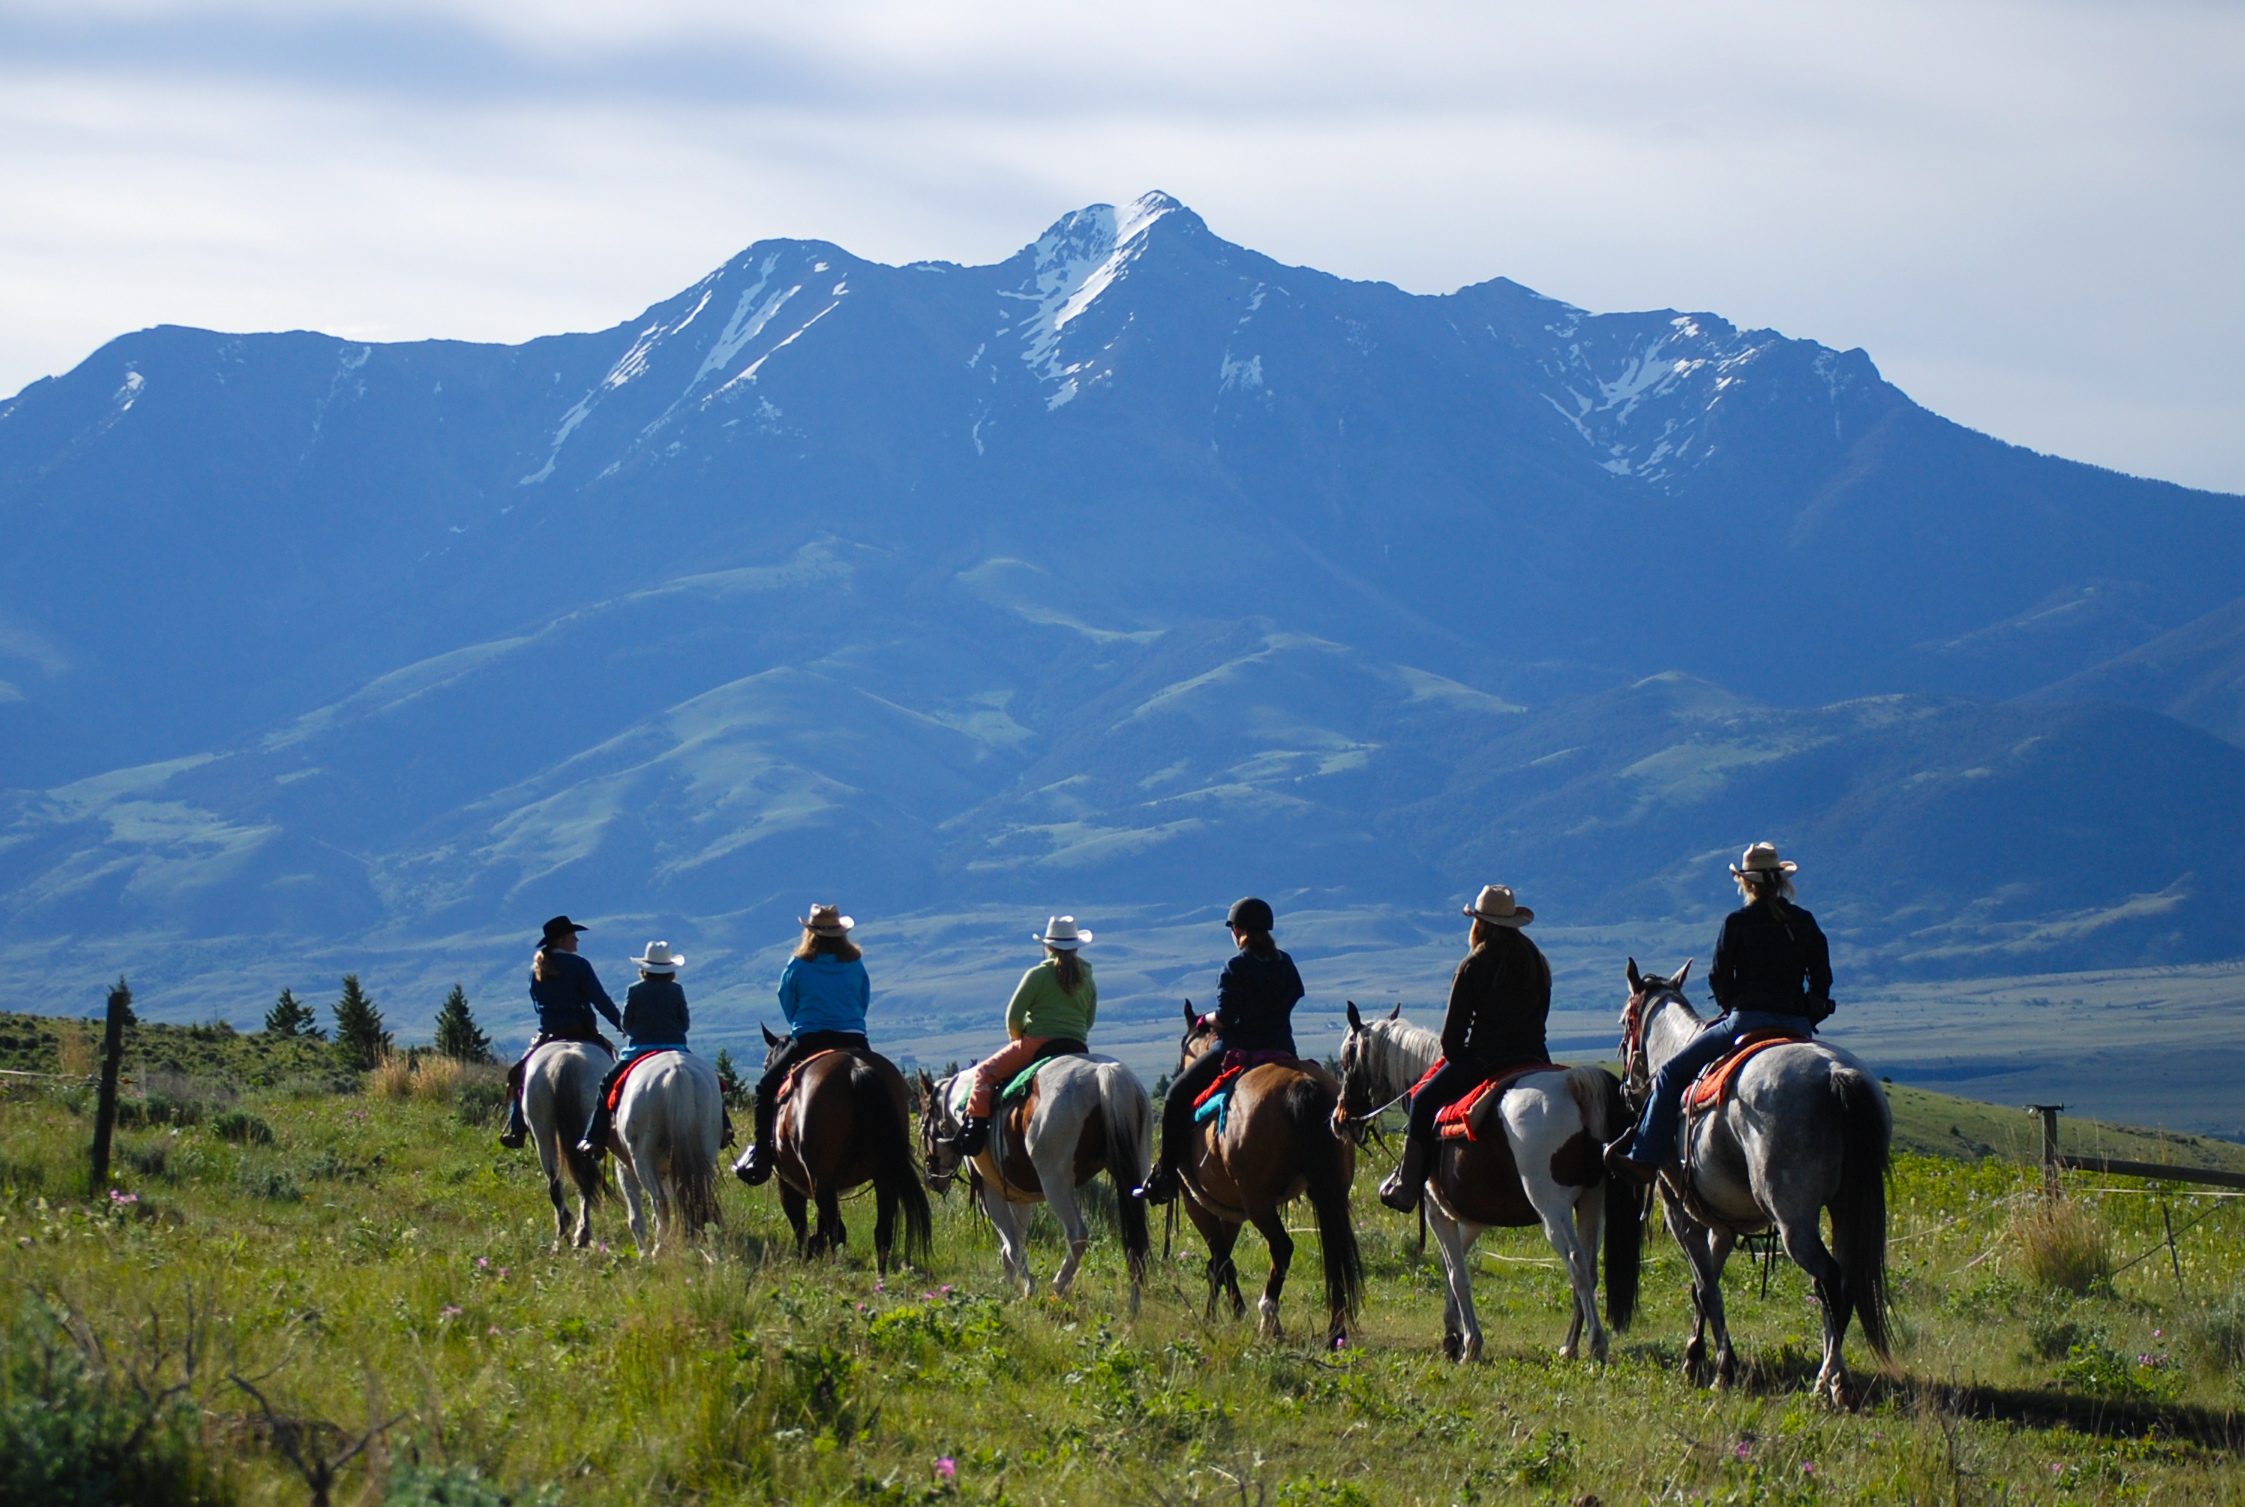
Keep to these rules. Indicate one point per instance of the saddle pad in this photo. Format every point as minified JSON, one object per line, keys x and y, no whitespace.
{"x":1018,"y":1085}
{"x":787,"y":1084}
{"x":1720,"y":1081}
{"x":1454,"y":1121}
{"x":631,"y":1067}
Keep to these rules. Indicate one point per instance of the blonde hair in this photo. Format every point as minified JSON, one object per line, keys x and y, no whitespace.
{"x":1067,"y":968}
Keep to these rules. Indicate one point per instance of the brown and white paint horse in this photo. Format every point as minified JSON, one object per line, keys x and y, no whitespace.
{"x":1806,"y":1130}
{"x":1535,"y":1160}
{"x":1274,"y":1144}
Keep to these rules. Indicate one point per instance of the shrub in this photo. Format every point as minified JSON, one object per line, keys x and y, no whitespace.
{"x":242,"y":1128}
{"x":270,"y":1180}
{"x":414,"y":1485}
{"x":2063,"y":1245}
{"x":417,"y":1075}
{"x":480,"y":1098}
{"x":67,"y":1437}
{"x":77,"y":1050}
{"x":2215,"y":1336}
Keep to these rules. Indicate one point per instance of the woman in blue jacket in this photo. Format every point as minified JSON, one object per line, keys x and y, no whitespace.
{"x":824,"y":993}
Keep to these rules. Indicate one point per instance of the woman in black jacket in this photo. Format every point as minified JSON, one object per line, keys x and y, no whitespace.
{"x":1500,"y":998}
{"x":1255,"y":998}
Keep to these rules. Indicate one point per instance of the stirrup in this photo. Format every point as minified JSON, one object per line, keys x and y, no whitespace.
{"x":514,"y":1140}
{"x":973,"y":1136}
{"x":755,"y":1167}
{"x":1160,"y":1187}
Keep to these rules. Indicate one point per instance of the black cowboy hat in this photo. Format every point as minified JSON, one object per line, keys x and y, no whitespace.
{"x":559,"y":927}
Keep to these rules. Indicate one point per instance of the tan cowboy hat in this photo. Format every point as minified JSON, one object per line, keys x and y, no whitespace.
{"x":1762,"y":858}
{"x":1063,"y":933}
{"x":1495,"y":906}
{"x":658,"y":958}
{"x":826,"y":920}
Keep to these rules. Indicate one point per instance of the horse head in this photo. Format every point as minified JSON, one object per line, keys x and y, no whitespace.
{"x":772,"y":1045}
{"x":1354,"y":1114}
{"x":937,"y":1126}
{"x":1649,"y":994}
{"x":1199,"y":1037}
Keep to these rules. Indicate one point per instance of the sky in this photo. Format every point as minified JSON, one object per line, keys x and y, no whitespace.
{"x":2029,"y":214}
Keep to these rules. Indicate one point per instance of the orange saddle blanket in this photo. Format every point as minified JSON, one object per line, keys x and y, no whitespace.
{"x":1720,"y":1081}
{"x":1454,"y":1120}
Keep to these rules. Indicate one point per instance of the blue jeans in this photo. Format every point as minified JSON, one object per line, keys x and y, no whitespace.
{"x":1656,"y":1131}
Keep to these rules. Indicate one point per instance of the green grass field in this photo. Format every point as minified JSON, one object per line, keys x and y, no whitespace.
{"x":363,"y":1259}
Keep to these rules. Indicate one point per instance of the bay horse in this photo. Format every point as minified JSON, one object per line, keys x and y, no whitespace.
{"x":559,"y":1084}
{"x":846,"y":1123}
{"x":1083,"y":1115}
{"x":670,"y":1115}
{"x":1535,"y":1159}
{"x":1807,"y":1129}
{"x":1274,"y":1144}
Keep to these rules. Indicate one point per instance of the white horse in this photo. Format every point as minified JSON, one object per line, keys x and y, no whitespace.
{"x":1082,"y":1115}
{"x":1544,"y":1168}
{"x":669,"y":1120}
{"x":559,"y":1085}
{"x":1806,"y":1129}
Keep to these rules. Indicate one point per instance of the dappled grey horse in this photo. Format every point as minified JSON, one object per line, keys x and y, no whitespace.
{"x":669,"y":1120}
{"x":1807,"y":1129}
{"x":559,"y":1085}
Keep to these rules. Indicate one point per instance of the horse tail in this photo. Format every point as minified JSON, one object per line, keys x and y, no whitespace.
{"x":1625,"y":1214}
{"x":1126,"y":1115}
{"x":1859,"y":1207}
{"x":693,"y":1169}
{"x":1324,"y":1169}
{"x":584,"y":1171}
{"x":896,"y":1175}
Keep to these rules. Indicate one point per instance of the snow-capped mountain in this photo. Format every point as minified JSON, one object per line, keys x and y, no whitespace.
{"x":1137,"y":567}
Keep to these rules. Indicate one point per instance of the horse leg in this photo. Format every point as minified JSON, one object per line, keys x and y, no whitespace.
{"x":1692,"y":1237}
{"x":1804,"y":1243}
{"x":1220,"y":1236}
{"x":1013,"y":1246}
{"x":1556,"y":1206}
{"x":1461,"y":1328}
{"x":1273,"y":1226}
{"x":793,"y":1205}
{"x":1060,"y":1197}
{"x":1719,"y":1243}
{"x":1590,"y":1229}
{"x":832,"y":1235}
{"x":555,"y":1191}
{"x":634,"y":1200}
{"x":884,"y":1228}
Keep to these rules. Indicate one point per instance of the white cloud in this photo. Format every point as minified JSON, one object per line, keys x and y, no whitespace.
{"x":2027,"y":213}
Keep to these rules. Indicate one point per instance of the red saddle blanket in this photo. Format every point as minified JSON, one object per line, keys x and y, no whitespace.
{"x":1236,"y":1063}
{"x":1720,"y":1081}
{"x":1454,"y":1120}
{"x":633,"y":1066}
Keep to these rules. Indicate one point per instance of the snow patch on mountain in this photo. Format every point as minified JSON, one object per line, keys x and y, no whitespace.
{"x":1074,"y":262}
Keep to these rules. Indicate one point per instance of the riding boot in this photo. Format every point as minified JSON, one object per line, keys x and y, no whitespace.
{"x":973,"y":1136}
{"x":755,"y":1166}
{"x":727,"y":1116}
{"x":1160,"y":1186}
{"x":1622,"y":1165}
{"x":1404,"y":1187}
{"x":595,"y":1142}
{"x":518,"y":1129}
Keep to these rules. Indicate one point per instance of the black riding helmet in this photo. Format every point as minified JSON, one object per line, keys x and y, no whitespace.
{"x":1250,"y":915}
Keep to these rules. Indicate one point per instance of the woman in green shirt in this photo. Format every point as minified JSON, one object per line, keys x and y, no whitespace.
{"x":1051,"y":1015}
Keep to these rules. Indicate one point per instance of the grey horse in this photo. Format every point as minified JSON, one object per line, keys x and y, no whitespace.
{"x":558,"y":1088}
{"x":670,"y":1116}
{"x":1806,"y":1130}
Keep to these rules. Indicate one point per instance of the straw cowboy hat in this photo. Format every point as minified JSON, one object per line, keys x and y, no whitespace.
{"x":658,"y":958}
{"x":826,"y":920}
{"x":1063,"y":933}
{"x":1495,"y":906}
{"x":1762,"y":858}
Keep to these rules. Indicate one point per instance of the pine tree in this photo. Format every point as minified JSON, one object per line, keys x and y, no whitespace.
{"x":728,"y":1077}
{"x":290,"y":1018}
{"x":359,"y":1038}
{"x":457,"y":1033}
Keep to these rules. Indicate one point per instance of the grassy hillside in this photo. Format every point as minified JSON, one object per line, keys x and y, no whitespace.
{"x":360,"y":1257}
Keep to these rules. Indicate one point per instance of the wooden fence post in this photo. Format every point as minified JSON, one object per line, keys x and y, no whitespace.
{"x":112,"y":1053}
{"x":2049,"y":1113}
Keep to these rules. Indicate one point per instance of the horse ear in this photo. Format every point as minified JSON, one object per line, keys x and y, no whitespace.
{"x":1190,"y":1017}
{"x":1397,"y":1012}
{"x":769,"y":1039}
{"x":1682,"y":973}
{"x":1636,"y":979}
{"x":1356,"y":1021}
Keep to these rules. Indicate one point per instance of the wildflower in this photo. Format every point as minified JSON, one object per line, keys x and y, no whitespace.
{"x":122,"y":1199}
{"x":2158,"y":1334}
{"x":1745,"y":1448}
{"x":493,"y":1331}
{"x":880,"y":1287}
{"x":861,"y":1308}
{"x":483,"y":1263}
{"x":502,"y":1274}
{"x":1808,"y":1468}
{"x":945,"y":1289}
{"x":947,"y":1469}
{"x":451,"y":1311}
{"x":927,"y":1297}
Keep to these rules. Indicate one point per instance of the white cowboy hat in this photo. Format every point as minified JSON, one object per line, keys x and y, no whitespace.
{"x":1063,"y":933}
{"x":1762,"y":858}
{"x":826,"y":920}
{"x":1495,"y":905}
{"x":658,"y":958}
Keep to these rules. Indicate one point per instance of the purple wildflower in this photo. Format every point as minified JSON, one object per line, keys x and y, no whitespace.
{"x":484,"y":1262}
{"x":451,"y":1311}
{"x":947,"y":1469}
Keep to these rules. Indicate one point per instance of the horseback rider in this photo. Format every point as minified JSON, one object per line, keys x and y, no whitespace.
{"x":1050,"y":1016}
{"x":655,"y":1020}
{"x":1772,"y":972}
{"x":1255,"y":998}
{"x":1500,"y":998}
{"x":565,"y":991}
{"x":824,"y":993}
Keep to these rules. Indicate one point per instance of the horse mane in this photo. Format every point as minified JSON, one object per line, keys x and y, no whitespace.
{"x":1401,"y":1052}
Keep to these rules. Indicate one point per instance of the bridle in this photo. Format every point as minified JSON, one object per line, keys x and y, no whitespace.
{"x":1349,"y":1118}
{"x":933,"y":1123}
{"x":1636,"y":1066}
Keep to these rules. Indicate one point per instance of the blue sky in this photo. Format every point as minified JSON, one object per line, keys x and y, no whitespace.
{"x":2030,"y":214}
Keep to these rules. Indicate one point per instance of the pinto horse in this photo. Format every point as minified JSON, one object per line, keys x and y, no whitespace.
{"x":559,"y":1084}
{"x":1273,"y":1144}
{"x":669,"y":1116}
{"x":1083,"y":1115}
{"x":847,"y":1123}
{"x":1534,"y":1159}
{"x":1807,"y":1129}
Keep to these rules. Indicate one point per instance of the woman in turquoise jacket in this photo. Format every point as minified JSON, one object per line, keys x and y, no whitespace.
{"x":823,"y":993}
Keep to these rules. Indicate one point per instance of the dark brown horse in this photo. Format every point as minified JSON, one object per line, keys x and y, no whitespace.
{"x":1274,"y":1144}
{"x":843,"y":1124}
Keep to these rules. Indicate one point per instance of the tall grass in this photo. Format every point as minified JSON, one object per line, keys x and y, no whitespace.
{"x":2063,"y":1245}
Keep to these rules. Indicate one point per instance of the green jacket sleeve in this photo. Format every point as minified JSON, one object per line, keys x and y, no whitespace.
{"x":1017,"y":1012}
